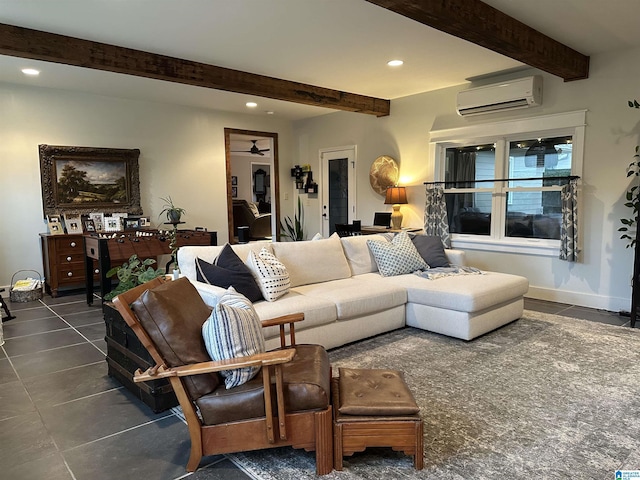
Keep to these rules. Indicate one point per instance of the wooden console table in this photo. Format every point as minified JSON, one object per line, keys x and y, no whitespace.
{"x":144,"y":243}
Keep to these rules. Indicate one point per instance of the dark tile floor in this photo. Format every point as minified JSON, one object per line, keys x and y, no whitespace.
{"x":63,"y":418}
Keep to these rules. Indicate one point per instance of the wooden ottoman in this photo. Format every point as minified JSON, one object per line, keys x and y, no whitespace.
{"x":374,"y":408}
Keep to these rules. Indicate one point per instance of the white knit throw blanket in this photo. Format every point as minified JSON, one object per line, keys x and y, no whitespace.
{"x":439,"y":272}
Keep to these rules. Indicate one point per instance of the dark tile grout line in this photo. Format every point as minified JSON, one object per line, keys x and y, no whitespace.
{"x":74,"y":328}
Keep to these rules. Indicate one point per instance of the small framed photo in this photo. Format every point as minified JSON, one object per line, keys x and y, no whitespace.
{"x":55,"y":228}
{"x":144,"y":222}
{"x":73,"y":223}
{"x":89,"y":225}
{"x":131,"y":223}
{"x":112,"y":224}
{"x":98,"y":220}
{"x":234,"y":192}
{"x":234,"y":180}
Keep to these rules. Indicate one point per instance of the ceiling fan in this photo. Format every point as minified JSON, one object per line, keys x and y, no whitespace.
{"x":254,"y":150}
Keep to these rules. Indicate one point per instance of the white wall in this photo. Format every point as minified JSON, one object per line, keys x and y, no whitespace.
{"x":602,"y":278}
{"x":182,"y":155}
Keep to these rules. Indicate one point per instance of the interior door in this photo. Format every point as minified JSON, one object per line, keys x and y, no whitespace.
{"x":338,"y":187}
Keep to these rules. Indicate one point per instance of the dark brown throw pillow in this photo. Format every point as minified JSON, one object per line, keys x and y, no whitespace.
{"x":431,"y":249}
{"x":228,"y":270}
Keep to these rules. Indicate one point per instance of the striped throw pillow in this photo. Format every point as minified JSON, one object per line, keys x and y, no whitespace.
{"x":233,"y":330}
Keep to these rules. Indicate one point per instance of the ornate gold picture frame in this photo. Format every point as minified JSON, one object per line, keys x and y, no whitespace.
{"x":82,"y":180}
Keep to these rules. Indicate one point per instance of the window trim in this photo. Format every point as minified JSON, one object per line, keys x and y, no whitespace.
{"x":500,"y":133}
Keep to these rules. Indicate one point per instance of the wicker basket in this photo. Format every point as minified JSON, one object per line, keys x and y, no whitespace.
{"x":21,"y":296}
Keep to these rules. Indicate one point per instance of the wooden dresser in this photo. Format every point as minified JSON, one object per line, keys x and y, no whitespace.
{"x":63,"y":262}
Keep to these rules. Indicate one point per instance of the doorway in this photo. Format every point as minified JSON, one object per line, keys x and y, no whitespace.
{"x":338,"y":187}
{"x":252,"y":177}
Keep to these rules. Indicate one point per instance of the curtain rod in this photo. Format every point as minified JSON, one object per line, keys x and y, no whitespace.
{"x":565,"y":177}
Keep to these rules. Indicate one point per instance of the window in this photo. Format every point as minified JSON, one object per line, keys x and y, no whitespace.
{"x":502,"y":189}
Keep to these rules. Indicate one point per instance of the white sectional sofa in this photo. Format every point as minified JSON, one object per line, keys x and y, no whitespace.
{"x":336,"y":283}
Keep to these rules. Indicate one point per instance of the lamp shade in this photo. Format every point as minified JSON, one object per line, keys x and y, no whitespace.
{"x":396,"y":196}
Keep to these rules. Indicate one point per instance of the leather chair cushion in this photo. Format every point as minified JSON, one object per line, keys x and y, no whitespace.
{"x":306,"y":384}
{"x":172,"y":315}
{"x":375,"y":392}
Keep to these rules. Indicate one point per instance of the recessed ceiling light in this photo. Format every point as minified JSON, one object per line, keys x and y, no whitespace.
{"x":30,"y":71}
{"x":269,"y":112}
{"x":251,"y":104}
{"x":395,"y":63}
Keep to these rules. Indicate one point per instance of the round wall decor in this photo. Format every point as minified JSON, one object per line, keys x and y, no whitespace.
{"x":384,"y":173}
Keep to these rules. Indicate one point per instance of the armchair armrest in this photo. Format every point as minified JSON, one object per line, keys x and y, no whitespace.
{"x":281,"y":322}
{"x":260,"y":360}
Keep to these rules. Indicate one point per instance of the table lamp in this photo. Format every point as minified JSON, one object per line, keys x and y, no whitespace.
{"x":396,"y":196}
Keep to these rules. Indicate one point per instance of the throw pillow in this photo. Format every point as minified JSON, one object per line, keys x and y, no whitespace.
{"x":228,"y":270}
{"x":431,"y":249}
{"x":271,"y":274}
{"x":254,"y":209}
{"x":397,"y":257}
{"x":234,"y":330}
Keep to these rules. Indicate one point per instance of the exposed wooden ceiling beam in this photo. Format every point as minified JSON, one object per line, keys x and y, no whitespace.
{"x":37,"y":45}
{"x":483,"y":25}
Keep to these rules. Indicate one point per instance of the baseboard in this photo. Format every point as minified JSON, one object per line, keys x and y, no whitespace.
{"x":612,"y":304}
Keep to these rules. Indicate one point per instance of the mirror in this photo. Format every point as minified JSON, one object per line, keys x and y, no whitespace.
{"x":259,"y":184}
{"x":252,"y":183}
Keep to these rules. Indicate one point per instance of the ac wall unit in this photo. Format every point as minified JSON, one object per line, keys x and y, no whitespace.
{"x":521,"y":93}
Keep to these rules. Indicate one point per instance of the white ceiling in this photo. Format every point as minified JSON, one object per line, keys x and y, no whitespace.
{"x":339,"y":44}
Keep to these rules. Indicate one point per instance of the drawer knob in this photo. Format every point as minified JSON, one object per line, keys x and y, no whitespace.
{"x":68,"y":259}
{"x":97,"y":270}
{"x":73,"y":244}
{"x":70,"y":274}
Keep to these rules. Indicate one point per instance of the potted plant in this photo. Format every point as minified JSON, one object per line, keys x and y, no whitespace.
{"x":633,"y":202}
{"x":172,"y":212}
{"x":132,"y":273}
{"x":294,"y":229}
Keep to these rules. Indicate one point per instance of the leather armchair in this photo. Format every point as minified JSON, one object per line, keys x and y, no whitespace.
{"x":286,"y":404}
{"x":259,"y":226}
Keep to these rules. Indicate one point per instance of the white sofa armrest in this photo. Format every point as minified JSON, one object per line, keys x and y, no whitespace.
{"x":455,"y":257}
{"x":209,"y":293}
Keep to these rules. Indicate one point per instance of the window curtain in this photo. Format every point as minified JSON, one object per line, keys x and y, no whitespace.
{"x":569,"y":228}
{"x":435,"y":214}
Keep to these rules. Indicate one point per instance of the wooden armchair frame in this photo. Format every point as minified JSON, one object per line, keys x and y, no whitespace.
{"x":312,"y":430}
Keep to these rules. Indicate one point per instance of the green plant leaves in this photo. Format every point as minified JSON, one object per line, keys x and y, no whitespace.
{"x":131,"y":274}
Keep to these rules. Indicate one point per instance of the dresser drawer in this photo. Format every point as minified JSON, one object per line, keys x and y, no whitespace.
{"x":69,"y":246}
{"x":71,"y":273}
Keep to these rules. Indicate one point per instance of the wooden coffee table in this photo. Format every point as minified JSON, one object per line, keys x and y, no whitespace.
{"x":375,"y":408}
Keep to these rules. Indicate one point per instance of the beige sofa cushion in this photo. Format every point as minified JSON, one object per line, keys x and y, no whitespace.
{"x":355,"y":297}
{"x":465,"y":293}
{"x":313,"y":261}
{"x":358,"y":254}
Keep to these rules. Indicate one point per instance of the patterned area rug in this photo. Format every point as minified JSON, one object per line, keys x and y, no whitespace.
{"x":545,"y":397}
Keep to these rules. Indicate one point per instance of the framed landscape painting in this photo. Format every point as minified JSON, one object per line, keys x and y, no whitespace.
{"x":81,"y":180}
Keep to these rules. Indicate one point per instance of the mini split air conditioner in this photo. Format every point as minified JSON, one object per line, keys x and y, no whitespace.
{"x":521,"y":93}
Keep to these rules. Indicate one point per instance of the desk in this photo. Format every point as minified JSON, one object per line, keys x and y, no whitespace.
{"x":373,"y":229}
{"x":151,"y":244}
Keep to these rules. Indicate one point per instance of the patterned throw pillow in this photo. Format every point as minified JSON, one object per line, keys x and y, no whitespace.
{"x":271,"y":274}
{"x":397,"y":257}
{"x":234,"y":330}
